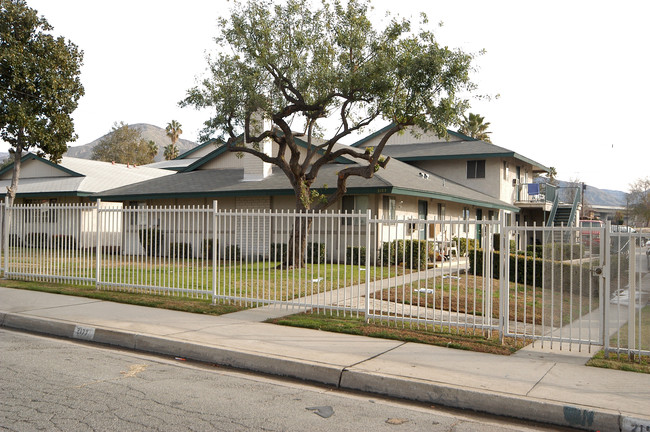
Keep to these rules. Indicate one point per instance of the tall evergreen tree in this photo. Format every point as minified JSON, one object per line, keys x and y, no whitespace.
{"x":39,"y":86}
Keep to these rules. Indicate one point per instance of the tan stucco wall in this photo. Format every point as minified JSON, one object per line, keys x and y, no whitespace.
{"x":35,"y":169}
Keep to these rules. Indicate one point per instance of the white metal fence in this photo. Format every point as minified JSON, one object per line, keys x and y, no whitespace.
{"x":563,"y":287}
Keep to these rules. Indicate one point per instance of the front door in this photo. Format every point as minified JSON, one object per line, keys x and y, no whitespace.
{"x":423,"y":211}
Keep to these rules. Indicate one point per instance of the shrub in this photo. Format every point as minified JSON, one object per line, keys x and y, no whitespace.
{"x":278,"y":252}
{"x":180,"y":250}
{"x":232,"y":253}
{"x":15,"y":240}
{"x":356,"y":255}
{"x":317,"y":251}
{"x":152,"y":240}
{"x":111,"y":250}
{"x":522,"y":268}
{"x":36,"y":240}
{"x":462,"y":244}
{"x":410,"y":253}
{"x":206,"y":249}
{"x":534,"y":250}
{"x":64,"y":242}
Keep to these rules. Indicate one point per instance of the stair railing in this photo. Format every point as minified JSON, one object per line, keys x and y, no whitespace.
{"x":574,"y":208}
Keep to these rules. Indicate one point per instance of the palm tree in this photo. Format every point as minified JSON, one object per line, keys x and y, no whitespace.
{"x":173,"y":132}
{"x":475,"y":128}
{"x":170,"y":152}
{"x":552,"y":176}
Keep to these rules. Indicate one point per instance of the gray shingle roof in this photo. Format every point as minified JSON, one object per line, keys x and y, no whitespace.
{"x":398,"y":178}
{"x":83,"y":177}
{"x":454,"y":150}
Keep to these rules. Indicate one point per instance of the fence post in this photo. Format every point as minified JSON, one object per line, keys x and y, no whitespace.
{"x":603,"y":283}
{"x":631,"y":309}
{"x":504,"y":276}
{"x":367,"y":255}
{"x":214,"y":252}
{"x":98,"y":246}
{"x":5,"y":235}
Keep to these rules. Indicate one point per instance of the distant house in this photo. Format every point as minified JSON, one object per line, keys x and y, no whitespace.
{"x":72,"y":180}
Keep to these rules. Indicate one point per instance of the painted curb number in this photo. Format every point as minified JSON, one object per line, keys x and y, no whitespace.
{"x":85,"y":333}
{"x":635,"y":425}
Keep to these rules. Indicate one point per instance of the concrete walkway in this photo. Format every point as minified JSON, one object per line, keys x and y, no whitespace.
{"x":539,"y":385}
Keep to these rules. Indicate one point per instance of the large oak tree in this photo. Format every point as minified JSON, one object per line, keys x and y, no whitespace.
{"x":321,"y":73}
{"x":39,"y":86}
{"x":125,"y":145}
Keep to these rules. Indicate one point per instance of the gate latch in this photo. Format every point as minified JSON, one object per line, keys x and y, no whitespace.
{"x":598,"y":271}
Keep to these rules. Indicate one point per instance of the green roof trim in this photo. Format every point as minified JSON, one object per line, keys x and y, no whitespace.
{"x":461,"y":136}
{"x":475,"y":156}
{"x":290,"y":192}
{"x":50,"y":194}
{"x":452,"y":198}
{"x":372,"y":135}
{"x":205,"y":159}
{"x":32,"y":156}
{"x":223,"y":149}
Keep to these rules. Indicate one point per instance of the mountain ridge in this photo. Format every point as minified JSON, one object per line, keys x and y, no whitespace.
{"x":148,"y":132}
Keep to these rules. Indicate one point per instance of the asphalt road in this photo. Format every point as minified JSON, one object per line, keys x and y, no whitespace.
{"x":54,"y":384}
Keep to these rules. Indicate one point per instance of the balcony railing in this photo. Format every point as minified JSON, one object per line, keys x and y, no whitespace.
{"x":536,"y":193}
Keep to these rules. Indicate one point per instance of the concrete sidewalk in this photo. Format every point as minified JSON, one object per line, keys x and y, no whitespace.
{"x":545,"y":386}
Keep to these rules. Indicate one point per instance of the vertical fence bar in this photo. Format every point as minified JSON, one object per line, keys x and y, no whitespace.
{"x":604,"y":288}
{"x":631,"y":327}
{"x":5,"y":234}
{"x":367,"y":264}
{"x":98,"y":253}
{"x":215,"y":243}
{"x":504,"y":273}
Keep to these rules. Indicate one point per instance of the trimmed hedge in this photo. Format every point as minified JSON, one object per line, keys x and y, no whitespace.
{"x":410,"y":253}
{"x":355,"y":255}
{"x":37,"y":240}
{"x":278,"y":251}
{"x":232,"y":252}
{"x":152,"y":240}
{"x":523,"y":267}
{"x":180,"y":250}
{"x":206,"y":249}
{"x":462,"y":244}
{"x":64,"y":242}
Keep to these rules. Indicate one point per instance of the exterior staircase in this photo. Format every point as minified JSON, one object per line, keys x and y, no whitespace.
{"x":563,"y":216}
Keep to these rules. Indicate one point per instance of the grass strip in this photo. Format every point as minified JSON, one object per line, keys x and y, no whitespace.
{"x":327,"y":321}
{"x":177,"y":303}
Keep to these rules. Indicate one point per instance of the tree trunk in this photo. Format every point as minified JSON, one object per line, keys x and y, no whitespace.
{"x":11,"y":190}
{"x":297,"y":245}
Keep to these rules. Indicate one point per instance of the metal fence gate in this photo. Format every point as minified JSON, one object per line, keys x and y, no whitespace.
{"x":563,"y":287}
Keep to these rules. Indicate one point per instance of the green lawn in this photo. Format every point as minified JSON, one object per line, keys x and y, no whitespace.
{"x":465,"y":294}
{"x":255,"y":279}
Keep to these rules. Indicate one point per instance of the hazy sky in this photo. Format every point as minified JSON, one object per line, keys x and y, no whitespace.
{"x":572,"y":75}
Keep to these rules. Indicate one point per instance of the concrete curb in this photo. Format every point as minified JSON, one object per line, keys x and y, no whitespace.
{"x":490,"y":402}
